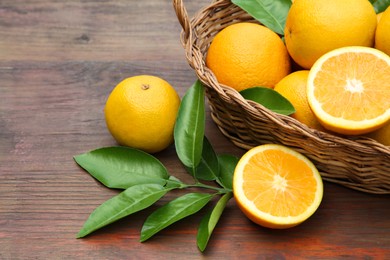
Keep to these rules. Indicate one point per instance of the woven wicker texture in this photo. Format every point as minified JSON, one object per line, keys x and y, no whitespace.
{"x":355,"y":162}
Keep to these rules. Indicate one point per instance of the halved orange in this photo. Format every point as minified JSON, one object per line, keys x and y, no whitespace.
{"x":349,"y":90}
{"x":277,"y":187}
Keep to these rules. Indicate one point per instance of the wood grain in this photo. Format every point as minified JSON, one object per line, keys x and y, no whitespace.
{"x":59,"y":60}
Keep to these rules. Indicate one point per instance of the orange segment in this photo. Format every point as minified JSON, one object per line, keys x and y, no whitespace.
{"x":277,"y":187}
{"x":349,"y":90}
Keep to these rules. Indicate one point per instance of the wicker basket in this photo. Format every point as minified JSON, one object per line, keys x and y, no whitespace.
{"x":355,"y":162}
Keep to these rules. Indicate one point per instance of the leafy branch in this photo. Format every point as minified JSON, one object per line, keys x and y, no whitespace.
{"x":145,"y":180}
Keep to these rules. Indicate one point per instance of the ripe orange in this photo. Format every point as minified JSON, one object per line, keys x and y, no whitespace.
{"x":382,"y":35}
{"x":293,"y":87}
{"x":382,"y":135}
{"x":276,"y":187}
{"x":378,"y":18}
{"x":349,"y":90}
{"x":246,"y":55}
{"x":141,"y":113}
{"x":314,"y":28}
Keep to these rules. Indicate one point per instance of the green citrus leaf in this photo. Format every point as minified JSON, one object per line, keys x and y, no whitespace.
{"x":190,"y":126}
{"x":380,"y":5}
{"x":271,"y":13}
{"x":172,"y":212}
{"x":210,"y":220}
{"x":127,"y":202}
{"x":174,"y":182}
{"x":122,"y":167}
{"x":208,"y":167}
{"x":227,"y":164}
{"x":270,"y":99}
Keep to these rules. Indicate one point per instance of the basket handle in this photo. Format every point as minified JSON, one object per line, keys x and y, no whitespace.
{"x":184,"y":20}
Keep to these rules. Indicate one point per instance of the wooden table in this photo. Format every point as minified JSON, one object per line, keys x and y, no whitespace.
{"x":59,"y":60}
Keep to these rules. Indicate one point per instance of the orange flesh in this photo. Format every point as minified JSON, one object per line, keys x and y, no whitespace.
{"x":362,"y":88}
{"x":279,"y":183}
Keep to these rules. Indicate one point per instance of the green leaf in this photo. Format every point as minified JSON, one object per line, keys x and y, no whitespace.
{"x":127,"y":202}
{"x":227,"y":165}
{"x":271,"y":13}
{"x":190,"y":126}
{"x":172,"y":212}
{"x":122,"y":167}
{"x":210,"y":220}
{"x":380,"y":5}
{"x":270,"y":99}
{"x":208,"y":168}
{"x":174,"y":182}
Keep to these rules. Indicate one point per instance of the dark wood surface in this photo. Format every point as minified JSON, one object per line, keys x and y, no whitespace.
{"x":59,"y":60}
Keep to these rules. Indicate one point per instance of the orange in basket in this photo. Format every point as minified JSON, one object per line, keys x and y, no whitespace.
{"x":315,"y":27}
{"x":245,"y":55}
{"x":293,"y":87}
{"x":348,"y":90}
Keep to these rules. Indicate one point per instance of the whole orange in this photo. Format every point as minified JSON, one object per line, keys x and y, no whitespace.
{"x":382,"y":35}
{"x":314,"y":28}
{"x":382,"y":135}
{"x":293,"y":87}
{"x":378,"y":18}
{"x":245,"y":55}
{"x":141,"y":113}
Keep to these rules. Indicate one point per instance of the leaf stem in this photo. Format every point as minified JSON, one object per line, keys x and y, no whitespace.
{"x":205,"y":186}
{"x":197,"y":184}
